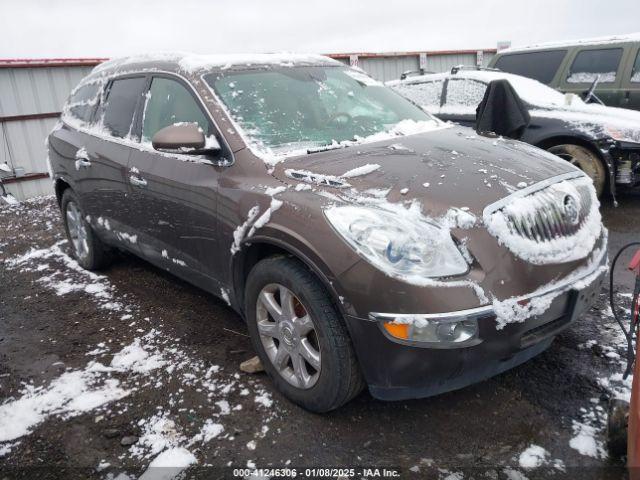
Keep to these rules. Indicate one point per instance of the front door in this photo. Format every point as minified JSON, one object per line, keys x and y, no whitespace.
{"x":589,"y":64}
{"x":173,"y":198}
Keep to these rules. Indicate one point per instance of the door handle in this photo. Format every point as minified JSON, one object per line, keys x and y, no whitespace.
{"x":82,"y":163}
{"x":82,"y":158}
{"x":137,"y":181}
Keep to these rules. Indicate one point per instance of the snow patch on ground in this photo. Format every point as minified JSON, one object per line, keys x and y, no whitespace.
{"x":70,"y":395}
{"x":533,"y":457}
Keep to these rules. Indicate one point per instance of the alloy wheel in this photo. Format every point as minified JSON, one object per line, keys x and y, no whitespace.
{"x":288,"y":335}
{"x":77,"y":230}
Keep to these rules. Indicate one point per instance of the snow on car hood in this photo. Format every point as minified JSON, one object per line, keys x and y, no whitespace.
{"x":597,"y":121}
{"x":455,"y":168}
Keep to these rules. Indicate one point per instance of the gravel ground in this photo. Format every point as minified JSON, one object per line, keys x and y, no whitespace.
{"x":101,"y":375}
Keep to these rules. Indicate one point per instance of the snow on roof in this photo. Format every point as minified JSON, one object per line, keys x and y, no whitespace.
{"x":191,"y":62}
{"x":531,"y":91}
{"x":632,"y":37}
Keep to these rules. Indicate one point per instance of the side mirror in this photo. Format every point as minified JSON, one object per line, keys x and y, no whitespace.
{"x":186,"y":138}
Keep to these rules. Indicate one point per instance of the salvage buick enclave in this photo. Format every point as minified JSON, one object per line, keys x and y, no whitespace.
{"x":363,"y":240}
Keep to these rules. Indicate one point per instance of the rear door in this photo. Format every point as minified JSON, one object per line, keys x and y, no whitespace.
{"x":174,"y":195}
{"x":542,"y":66}
{"x":103,"y":158}
{"x":590,"y":63}
{"x":462,"y":97}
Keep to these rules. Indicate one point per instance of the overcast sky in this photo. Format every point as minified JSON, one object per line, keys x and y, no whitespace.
{"x":88,"y":28}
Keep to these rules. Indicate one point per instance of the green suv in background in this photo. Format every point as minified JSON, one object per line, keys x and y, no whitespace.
{"x":574,"y":66}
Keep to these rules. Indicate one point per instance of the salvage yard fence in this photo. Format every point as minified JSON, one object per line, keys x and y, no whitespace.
{"x":32,"y":92}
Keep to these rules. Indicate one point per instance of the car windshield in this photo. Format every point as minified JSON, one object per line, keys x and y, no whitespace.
{"x":292,"y":108}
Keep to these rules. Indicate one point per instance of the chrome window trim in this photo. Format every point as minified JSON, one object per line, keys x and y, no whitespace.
{"x":138,"y":144}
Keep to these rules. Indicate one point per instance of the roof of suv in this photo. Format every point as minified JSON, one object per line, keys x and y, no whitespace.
{"x":192,"y":63}
{"x":613,"y":39}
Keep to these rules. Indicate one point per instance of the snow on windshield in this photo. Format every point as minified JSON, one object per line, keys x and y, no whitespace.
{"x":283,"y":112}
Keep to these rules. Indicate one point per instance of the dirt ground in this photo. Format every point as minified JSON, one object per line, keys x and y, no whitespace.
{"x":176,"y":385}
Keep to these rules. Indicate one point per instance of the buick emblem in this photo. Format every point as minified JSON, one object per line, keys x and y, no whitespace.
{"x":571,"y":209}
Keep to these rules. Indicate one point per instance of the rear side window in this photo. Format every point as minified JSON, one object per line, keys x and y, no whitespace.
{"x":541,"y":66}
{"x":635,"y":73}
{"x":425,"y":94}
{"x":463,"y":95}
{"x":591,"y":64}
{"x":83,"y":101}
{"x":121,"y":105}
{"x":169,"y":102}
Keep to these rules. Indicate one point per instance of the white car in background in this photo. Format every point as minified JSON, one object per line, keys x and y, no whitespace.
{"x":602,"y":141}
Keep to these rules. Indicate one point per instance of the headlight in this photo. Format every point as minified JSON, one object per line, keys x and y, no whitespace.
{"x":445,"y":333}
{"x":623,"y":134}
{"x":401,"y":246}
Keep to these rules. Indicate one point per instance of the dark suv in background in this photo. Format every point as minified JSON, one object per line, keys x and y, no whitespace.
{"x":363,"y":240}
{"x":574,"y":66}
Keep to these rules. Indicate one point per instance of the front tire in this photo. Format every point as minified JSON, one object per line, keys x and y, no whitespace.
{"x":300,"y":336}
{"x":585,"y":160}
{"x":87,"y":249}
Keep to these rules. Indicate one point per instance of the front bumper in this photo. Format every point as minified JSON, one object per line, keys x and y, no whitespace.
{"x":397,"y":370}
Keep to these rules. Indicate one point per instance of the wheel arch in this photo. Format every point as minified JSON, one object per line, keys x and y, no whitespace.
{"x":59,"y":187}
{"x":261,"y":247}
{"x":556,"y":140}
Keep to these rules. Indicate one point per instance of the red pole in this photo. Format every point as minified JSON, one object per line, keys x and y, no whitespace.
{"x":633,"y":450}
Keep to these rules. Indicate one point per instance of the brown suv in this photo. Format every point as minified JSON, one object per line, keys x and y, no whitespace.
{"x":363,"y":240}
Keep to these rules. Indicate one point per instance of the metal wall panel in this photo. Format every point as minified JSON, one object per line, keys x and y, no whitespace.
{"x":25,"y":91}
{"x":30,"y":189}
{"x":391,"y":67}
{"x":388,"y":68}
{"x":22,"y":144}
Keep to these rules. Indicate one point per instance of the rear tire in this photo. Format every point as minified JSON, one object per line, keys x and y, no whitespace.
{"x":87,"y":249}
{"x":585,"y":160}
{"x":287,"y":308}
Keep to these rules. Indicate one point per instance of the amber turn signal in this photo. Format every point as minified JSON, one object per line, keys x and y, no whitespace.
{"x":398,"y":330}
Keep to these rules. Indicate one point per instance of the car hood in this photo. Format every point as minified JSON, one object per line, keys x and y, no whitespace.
{"x":597,"y":121}
{"x":452,"y":167}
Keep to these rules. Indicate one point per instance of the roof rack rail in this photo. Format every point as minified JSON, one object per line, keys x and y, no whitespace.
{"x":420,"y":71}
{"x":457,"y":68}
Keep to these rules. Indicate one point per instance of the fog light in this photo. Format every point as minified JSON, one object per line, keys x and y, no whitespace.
{"x":443,"y":332}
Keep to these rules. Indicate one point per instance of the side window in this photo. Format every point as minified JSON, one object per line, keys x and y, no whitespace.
{"x":121,"y":104}
{"x":463,"y":95}
{"x":425,"y":94}
{"x":541,"y":66}
{"x":169,"y":102}
{"x":590,"y":64}
{"x":635,"y":73}
{"x":83,"y":101}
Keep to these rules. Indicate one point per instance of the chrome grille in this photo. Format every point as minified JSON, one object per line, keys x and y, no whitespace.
{"x":555,"y":211}
{"x":546,"y":218}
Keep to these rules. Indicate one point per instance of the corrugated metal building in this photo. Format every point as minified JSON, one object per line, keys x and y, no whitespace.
{"x":32,"y":93}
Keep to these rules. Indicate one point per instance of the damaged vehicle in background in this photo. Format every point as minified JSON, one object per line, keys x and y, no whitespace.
{"x":364,"y":241}
{"x":602,"y":141}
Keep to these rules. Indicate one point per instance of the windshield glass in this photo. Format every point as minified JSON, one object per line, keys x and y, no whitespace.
{"x":289,"y":109}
